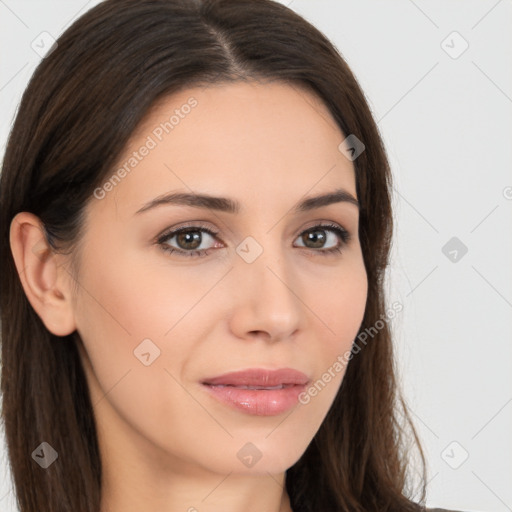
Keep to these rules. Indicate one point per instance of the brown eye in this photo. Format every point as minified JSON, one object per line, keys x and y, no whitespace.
{"x":188,"y":240}
{"x":318,"y":236}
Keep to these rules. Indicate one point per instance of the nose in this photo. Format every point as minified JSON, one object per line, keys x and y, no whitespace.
{"x":266,"y":299}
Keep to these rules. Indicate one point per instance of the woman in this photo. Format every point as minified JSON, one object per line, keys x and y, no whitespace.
{"x":196,"y":223}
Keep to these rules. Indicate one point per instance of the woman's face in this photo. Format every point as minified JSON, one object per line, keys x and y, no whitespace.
{"x":262,"y":292}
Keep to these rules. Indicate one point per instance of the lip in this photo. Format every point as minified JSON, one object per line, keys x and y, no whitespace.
{"x":260,"y":377}
{"x":258,"y":391}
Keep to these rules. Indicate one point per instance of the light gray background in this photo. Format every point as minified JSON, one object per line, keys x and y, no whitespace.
{"x":447,"y":125}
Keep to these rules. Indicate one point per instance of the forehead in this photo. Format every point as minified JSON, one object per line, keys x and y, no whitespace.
{"x":254,"y":141}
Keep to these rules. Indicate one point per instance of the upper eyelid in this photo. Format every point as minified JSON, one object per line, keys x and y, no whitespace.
{"x":198,"y":225}
{"x":170,"y":232}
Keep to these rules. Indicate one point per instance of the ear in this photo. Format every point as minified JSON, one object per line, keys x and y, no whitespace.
{"x":45,"y":279}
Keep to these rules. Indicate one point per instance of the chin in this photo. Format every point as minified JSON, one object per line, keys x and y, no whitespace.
{"x":258,"y":455}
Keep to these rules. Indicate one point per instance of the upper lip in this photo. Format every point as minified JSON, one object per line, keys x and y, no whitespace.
{"x":260,"y":377}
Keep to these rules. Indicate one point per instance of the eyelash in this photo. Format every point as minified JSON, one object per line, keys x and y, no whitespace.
{"x":343,"y":234}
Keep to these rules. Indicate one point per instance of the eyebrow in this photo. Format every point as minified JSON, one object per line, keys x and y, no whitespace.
{"x":225,"y":204}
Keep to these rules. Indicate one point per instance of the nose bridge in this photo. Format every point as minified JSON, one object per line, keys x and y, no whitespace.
{"x":266,"y":299}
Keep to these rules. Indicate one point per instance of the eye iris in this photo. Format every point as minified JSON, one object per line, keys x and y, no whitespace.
{"x":318,"y":240}
{"x":187,"y":236}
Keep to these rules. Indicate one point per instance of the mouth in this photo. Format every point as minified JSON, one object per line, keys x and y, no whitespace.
{"x":258,"y":391}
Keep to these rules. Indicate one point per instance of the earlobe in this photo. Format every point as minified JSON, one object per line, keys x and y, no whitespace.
{"x":43,"y":276}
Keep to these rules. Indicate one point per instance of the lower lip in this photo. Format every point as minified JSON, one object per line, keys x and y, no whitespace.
{"x":258,"y":402}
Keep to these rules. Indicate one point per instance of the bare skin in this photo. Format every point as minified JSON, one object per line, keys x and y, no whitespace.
{"x":166,"y":444}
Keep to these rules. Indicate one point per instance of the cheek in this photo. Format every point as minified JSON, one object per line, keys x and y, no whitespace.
{"x":342,"y":303}
{"x":118,"y":308}
{"x":341,"y":307}
{"x":134,"y":298}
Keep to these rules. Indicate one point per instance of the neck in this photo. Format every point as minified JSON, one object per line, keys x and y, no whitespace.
{"x":187,"y":492}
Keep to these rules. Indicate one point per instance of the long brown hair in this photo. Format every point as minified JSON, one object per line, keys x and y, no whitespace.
{"x":82,"y":104}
